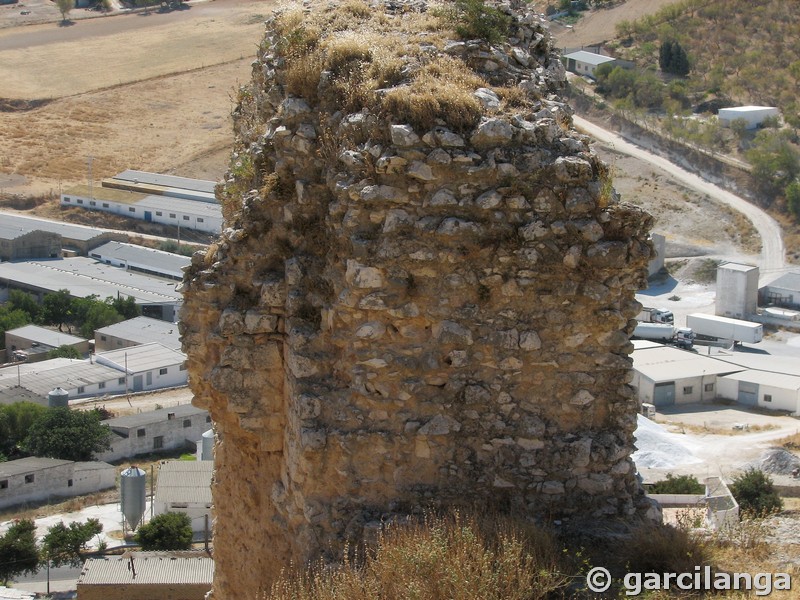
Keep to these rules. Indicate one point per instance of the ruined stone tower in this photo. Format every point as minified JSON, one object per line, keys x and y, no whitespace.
{"x":423,"y":294}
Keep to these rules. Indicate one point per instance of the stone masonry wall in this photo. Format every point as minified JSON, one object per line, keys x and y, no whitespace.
{"x":397,"y":317}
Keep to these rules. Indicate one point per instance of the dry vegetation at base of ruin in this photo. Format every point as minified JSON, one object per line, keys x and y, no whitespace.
{"x":460,"y":557}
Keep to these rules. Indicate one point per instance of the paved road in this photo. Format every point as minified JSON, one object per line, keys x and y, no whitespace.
{"x":773,"y":260}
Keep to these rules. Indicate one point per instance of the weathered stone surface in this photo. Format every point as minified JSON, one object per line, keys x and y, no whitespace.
{"x":396,"y":318}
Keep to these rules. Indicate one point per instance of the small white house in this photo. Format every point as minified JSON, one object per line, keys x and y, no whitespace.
{"x":148,"y":366}
{"x":35,"y":479}
{"x":753,"y":116}
{"x":155,"y":431}
{"x":141,"y":259}
{"x":585,"y":63}
{"x":185,"y":486}
{"x":773,"y":391}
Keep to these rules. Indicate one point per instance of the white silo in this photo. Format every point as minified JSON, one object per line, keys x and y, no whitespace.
{"x":207,"y":446}
{"x":133,"y":492}
{"x":58,"y":398}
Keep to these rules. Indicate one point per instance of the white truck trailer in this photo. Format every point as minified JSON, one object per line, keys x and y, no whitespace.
{"x":713,"y":328}
{"x":683,"y":337}
{"x":655,"y":315}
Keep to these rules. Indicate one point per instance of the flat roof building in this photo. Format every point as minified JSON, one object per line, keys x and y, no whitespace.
{"x":185,"y":486}
{"x":142,"y":260}
{"x":80,"y":238}
{"x":36,"y":342}
{"x":136,"y":331}
{"x":585,"y":63}
{"x":752,"y":116}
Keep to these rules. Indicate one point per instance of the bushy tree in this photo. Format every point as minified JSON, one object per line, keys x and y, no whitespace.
{"x":126,"y":307}
{"x":792,"y":194}
{"x":775,"y":162}
{"x":167,"y":531}
{"x":65,"y":545}
{"x":682,"y":484}
{"x":15,"y":422}
{"x":672,"y":58}
{"x":65,"y":6}
{"x":19,"y":300}
{"x":755,"y":493}
{"x":68,"y":435}
{"x":474,"y":19}
{"x":18,"y":552}
{"x":57,"y":308}
{"x":11,"y":319}
{"x":64,"y":351}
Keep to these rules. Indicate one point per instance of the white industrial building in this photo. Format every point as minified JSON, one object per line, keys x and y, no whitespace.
{"x":666,"y":376}
{"x":154,"y":198}
{"x":753,"y":116}
{"x":155,"y":431}
{"x":737,"y":291}
{"x":33,"y":343}
{"x":762,"y":389}
{"x":142,"y":260}
{"x":36,"y":479}
{"x":75,"y":238}
{"x":83,"y":277}
{"x":784,"y":292}
{"x":185,"y":486}
{"x":136,"y":331}
{"x":148,"y":366}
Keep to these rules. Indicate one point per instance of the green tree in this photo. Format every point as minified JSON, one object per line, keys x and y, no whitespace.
{"x":755,"y":493}
{"x":98,"y":315}
{"x":18,"y":552}
{"x":775,"y":162}
{"x":57,"y":308}
{"x":126,"y":307}
{"x":68,"y":435}
{"x":167,"y":531}
{"x":19,"y":300}
{"x":11,"y":319}
{"x":15,"y":422}
{"x":65,"y":6}
{"x":473,"y":19}
{"x":792,"y":194}
{"x":682,"y":484}
{"x":64,"y":351}
{"x":65,"y":545}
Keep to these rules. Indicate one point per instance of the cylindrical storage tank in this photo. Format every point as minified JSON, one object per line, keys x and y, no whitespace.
{"x":58,"y":398}
{"x":133,"y":492}
{"x":207,"y":449}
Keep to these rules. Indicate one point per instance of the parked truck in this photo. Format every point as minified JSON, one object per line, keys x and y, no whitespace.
{"x":682,"y":337}
{"x":712,"y":328}
{"x":655,"y":315}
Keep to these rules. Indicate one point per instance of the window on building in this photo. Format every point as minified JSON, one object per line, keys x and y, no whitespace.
{"x":92,"y":203}
{"x":158,"y":442}
{"x":121,"y":381}
{"x":171,"y":215}
{"x":170,"y":416}
{"x":80,"y":201}
{"x":69,"y":482}
{"x":66,"y":199}
{"x":687,"y":390}
{"x":158,"y":213}
{"x":29,"y":478}
{"x":185,"y":217}
{"x":182,"y":367}
{"x":200,"y":219}
{"x":3,"y":484}
{"x":102,"y":337}
{"x":81,"y":389}
{"x":709,"y":387}
{"x":131,"y":209}
{"x":105,"y":204}
{"x":102,"y":385}
{"x":162,"y":371}
{"x":140,"y":433}
{"x":179,"y":505}
{"x":767,"y":397}
{"x":187,"y":422}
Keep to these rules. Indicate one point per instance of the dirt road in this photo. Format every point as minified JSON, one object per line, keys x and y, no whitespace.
{"x":772,"y":260}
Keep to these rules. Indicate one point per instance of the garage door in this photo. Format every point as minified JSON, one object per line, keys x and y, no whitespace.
{"x":664,"y":394}
{"x":748,"y":393}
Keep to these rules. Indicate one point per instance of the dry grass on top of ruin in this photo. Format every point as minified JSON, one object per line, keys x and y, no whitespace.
{"x":395,"y":65}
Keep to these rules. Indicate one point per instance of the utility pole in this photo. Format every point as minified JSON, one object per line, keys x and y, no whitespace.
{"x":89,"y":160}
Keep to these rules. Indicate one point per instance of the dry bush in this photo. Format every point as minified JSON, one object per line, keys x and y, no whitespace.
{"x":664,"y":549}
{"x":345,"y":55}
{"x":302,"y":73}
{"x":453,"y":558}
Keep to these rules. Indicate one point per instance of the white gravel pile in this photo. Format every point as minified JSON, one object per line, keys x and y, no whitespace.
{"x":657,"y":448}
{"x":778,"y":461}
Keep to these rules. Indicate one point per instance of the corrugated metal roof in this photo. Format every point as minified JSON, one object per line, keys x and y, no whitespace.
{"x":173,"y":181}
{"x":154,"y":416}
{"x":151,"y":568}
{"x":100,"y":194}
{"x":787,"y":281}
{"x":181,"y":481}
{"x":42,"y":335}
{"x":667,"y":363}
{"x":143,"y":330}
{"x":144,"y":357}
{"x":85,"y":276}
{"x":156,"y":259}
{"x":590,"y":58}
{"x":46,"y":378}
{"x":11,"y":232}
{"x":778,"y":380}
{"x":181,"y":205}
{"x":74,"y":232}
{"x":30,"y":464}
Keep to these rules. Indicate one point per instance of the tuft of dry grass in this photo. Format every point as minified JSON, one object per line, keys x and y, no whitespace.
{"x":453,"y":558}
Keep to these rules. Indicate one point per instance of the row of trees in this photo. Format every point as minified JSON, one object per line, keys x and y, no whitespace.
{"x":60,"y":309}
{"x":28,"y":429}
{"x":62,"y":545}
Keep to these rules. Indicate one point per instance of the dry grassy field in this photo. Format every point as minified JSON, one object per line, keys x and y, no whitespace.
{"x":156,"y":98}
